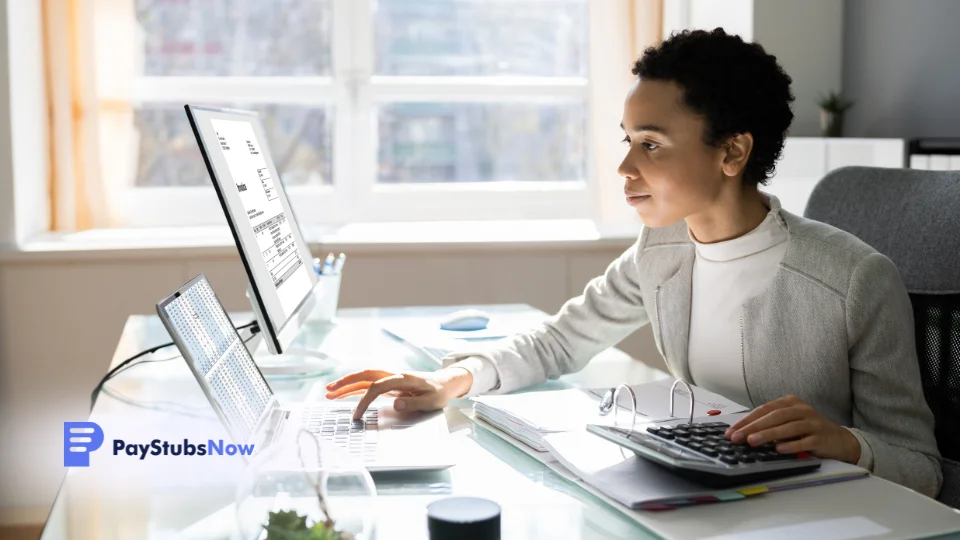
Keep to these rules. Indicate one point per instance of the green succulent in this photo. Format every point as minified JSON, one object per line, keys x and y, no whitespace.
{"x":834,"y":102}
{"x":288,"y":525}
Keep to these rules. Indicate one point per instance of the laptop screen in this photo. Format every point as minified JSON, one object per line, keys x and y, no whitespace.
{"x":218,"y":357}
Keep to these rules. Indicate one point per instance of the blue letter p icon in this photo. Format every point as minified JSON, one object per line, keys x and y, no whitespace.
{"x":79,"y":439}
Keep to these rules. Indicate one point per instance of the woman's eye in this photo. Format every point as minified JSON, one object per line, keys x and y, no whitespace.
{"x":626,"y":140}
{"x":650,"y":146}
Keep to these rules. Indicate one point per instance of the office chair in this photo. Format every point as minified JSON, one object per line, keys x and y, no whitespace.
{"x":913,"y":217}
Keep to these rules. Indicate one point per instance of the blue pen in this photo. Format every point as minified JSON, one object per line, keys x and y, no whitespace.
{"x":328,"y":265}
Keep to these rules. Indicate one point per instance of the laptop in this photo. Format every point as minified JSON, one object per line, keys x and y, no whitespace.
{"x":385,"y":439}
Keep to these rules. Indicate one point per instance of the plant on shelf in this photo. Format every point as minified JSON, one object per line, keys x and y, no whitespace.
{"x":832,"y":107}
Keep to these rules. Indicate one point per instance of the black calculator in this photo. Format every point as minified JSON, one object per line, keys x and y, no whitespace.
{"x":701,"y":453}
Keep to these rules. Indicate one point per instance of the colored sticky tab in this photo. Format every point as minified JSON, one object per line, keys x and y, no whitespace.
{"x":753,"y":490}
{"x":730,"y":496}
{"x":706,"y":499}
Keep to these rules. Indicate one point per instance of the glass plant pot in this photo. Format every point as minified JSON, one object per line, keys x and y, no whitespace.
{"x":304,"y":490}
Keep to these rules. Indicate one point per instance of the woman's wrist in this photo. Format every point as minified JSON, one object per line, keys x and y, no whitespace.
{"x":458,"y":381}
{"x":852,"y":444}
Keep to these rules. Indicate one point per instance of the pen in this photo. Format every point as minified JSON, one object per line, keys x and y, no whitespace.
{"x":328,"y":265}
{"x":338,"y":266}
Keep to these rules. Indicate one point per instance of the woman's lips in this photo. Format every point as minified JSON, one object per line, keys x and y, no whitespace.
{"x":634,"y":199}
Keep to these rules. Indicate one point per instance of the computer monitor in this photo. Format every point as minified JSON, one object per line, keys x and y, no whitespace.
{"x":274,"y":254}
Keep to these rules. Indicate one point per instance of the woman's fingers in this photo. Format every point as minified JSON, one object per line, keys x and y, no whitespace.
{"x":760,"y":412}
{"x":782,"y":432}
{"x":410,"y":383}
{"x":349,"y":389}
{"x":775,"y":418}
{"x":368,"y":375}
{"x":349,"y":394}
{"x":806,"y":444}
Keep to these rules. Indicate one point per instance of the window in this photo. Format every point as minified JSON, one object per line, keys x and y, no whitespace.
{"x":375,"y":110}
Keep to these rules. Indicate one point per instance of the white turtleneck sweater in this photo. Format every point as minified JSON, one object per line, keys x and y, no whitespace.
{"x":726,"y":275}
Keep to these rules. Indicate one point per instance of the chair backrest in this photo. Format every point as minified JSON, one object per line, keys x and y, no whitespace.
{"x":913,"y":217}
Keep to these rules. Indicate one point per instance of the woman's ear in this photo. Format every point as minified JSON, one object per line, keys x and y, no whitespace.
{"x":736,"y":153}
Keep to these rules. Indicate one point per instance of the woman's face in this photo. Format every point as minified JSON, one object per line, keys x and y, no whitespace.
{"x":670,"y":171}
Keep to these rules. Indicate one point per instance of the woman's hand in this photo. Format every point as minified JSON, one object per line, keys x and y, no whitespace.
{"x":797,"y":427}
{"x":415,"y":391}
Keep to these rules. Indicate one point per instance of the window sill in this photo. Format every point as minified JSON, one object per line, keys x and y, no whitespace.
{"x":173,"y":242}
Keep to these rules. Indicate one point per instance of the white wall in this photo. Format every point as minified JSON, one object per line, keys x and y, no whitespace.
{"x":807,"y":39}
{"x":901,"y":68}
{"x":734,"y":16}
{"x":60,"y":321}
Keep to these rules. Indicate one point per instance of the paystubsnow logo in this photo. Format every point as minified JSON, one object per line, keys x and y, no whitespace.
{"x":81,"y":438}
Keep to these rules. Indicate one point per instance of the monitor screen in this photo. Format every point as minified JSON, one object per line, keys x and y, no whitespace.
{"x":274,"y":253}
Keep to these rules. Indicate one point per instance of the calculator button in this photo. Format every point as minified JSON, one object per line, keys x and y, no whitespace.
{"x":728,"y":460}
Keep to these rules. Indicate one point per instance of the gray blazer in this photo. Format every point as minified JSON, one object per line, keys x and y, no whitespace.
{"x":835,"y":328}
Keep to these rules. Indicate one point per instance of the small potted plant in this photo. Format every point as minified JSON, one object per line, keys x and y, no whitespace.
{"x":287,"y":494}
{"x":289,"y":525}
{"x":832,"y":108}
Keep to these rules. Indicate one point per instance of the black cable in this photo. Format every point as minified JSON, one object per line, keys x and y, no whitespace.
{"x":253,"y":326}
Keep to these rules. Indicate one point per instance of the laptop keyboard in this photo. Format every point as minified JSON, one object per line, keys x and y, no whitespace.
{"x":335,"y":424}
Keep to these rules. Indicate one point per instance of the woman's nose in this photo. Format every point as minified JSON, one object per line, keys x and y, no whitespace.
{"x":626,"y":169}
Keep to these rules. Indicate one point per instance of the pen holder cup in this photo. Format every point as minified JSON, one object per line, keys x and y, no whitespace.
{"x":326,"y":294}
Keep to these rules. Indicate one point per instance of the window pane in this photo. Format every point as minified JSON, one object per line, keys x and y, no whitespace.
{"x":457,"y":142}
{"x":481,"y":37}
{"x":235,"y":37}
{"x":299,"y":139}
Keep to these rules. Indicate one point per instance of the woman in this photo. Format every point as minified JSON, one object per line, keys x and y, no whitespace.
{"x":794,"y":317}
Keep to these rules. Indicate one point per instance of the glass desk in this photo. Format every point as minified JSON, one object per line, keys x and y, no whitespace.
{"x":178,"y":497}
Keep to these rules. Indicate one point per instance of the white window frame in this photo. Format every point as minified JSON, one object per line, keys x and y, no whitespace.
{"x":355,"y":196}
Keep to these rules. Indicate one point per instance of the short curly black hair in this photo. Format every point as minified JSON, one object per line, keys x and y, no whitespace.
{"x":735,"y":86}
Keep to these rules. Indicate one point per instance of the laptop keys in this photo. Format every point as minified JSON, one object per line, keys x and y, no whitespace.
{"x":336,"y":425}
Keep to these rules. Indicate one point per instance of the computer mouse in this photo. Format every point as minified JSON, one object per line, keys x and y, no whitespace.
{"x":465,"y":320}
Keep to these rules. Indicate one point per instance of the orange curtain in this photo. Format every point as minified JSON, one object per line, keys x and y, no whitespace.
{"x":90,"y":64}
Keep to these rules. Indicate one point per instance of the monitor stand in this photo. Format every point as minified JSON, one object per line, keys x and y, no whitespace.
{"x":294,"y":363}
